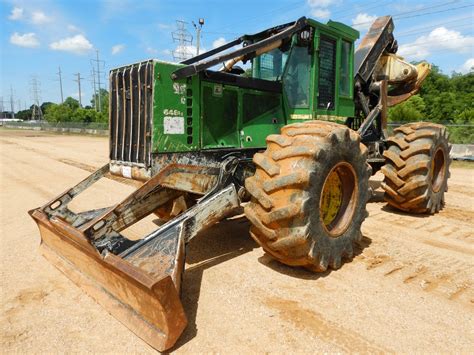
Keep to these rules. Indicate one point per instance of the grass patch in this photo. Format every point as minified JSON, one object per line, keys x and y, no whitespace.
{"x":462,"y":164}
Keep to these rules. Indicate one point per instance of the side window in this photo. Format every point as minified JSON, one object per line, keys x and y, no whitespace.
{"x":272,"y":64}
{"x":296,"y":77}
{"x":327,"y":72}
{"x":345,"y":80}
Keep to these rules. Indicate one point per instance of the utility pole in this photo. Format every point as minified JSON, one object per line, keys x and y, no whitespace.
{"x":184,"y":40}
{"x":78,"y":81}
{"x":60,"y":84}
{"x":12,"y":106}
{"x":198,"y":34}
{"x":98,"y":62}
{"x":93,"y":87}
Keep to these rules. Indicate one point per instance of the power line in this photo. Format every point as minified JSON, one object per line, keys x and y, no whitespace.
{"x":431,"y":30}
{"x":417,"y":30}
{"x":418,"y":44}
{"x":398,"y":17}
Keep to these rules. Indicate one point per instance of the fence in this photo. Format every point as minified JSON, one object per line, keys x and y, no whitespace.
{"x":459,"y":133}
{"x":98,"y":128}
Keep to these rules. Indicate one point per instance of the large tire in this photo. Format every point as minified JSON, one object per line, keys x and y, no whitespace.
{"x":417,"y":167}
{"x":295,"y":215}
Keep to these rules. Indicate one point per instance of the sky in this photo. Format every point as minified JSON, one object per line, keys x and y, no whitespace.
{"x":38,"y":37}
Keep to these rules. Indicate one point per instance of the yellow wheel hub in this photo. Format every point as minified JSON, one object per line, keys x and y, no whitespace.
{"x":331,"y":199}
{"x":338,"y":200}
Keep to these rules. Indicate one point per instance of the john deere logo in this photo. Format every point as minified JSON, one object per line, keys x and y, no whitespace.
{"x":218,"y":90}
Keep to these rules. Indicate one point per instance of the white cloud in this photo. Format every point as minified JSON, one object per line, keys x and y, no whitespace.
{"x":439,"y":39}
{"x":28,"y":40}
{"x":468,"y":66}
{"x":39,"y":18}
{"x":321,"y":13}
{"x":16,"y":14}
{"x":77,"y":44}
{"x":219,"y":42}
{"x":72,"y":28}
{"x":321,"y":3}
{"x":319,"y":8}
{"x":117,"y":48}
{"x":151,"y":50}
{"x":363,"y":21}
{"x":166,"y":52}
{"x":164,"y":26}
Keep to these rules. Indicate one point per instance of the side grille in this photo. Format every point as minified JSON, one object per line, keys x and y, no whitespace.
{"x":131,"y":113}
{"x":327,"y":73}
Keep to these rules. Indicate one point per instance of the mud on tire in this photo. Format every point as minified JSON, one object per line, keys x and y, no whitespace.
{"x":309,"y":194}
{"x":417,"y":167}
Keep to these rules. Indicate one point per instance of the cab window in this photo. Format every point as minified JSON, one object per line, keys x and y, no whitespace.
{"x":296,"y":81}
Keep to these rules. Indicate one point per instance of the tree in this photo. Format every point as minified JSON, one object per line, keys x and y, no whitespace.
{"x":23,"y":114}
{"x":73,"y":104}
{"x":59,"y":113}
{"x":104,"y":100}
{"x":411,"y":110}
{"x":45,"y":105}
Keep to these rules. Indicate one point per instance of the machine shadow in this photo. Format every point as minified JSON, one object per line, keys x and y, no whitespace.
{"x":226,"y":240}
{"x":305,"y":274}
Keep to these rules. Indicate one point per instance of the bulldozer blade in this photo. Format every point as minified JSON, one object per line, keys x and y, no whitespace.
{"x":147,"y":303}
{"x":138,"y":282}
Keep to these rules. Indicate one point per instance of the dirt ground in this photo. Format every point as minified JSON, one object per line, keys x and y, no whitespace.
{"x":409,"y":289}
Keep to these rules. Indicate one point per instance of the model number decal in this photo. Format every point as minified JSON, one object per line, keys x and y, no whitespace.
{"x":179,"y":89}
{"x":171,"y":112}
{"x":173,"y":125}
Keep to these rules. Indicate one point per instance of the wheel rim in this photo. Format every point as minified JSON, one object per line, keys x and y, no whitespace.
{"x":438,"y":170}
{"x":338,"y":199}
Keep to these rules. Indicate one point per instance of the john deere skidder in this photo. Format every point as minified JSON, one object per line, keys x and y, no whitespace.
{"x":295,"y":136}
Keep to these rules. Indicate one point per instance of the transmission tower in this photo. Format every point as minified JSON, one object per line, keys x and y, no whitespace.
{"x":184,"y":40}
{"x":97,"y":62}
{"x":94,"y":89}
{"x":36,"y":113}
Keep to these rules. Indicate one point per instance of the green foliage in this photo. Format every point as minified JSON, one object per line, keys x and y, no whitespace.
{"x":73,"y":104}
{"x":58,"y":113}
{"x":23,"y":115}
{"x":70,"y":111}
{"x":408,"y":111}
{"x":443,"y":99}
{"x":104,"y":101}
{"x":44,"y":106}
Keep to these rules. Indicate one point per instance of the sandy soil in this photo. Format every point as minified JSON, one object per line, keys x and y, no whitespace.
{"x":410,"y":288}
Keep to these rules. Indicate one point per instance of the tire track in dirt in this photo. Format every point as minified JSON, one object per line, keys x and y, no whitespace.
{"x":76,"y":164}
{"x":415,"y":256}
{"x":307,"y":320}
